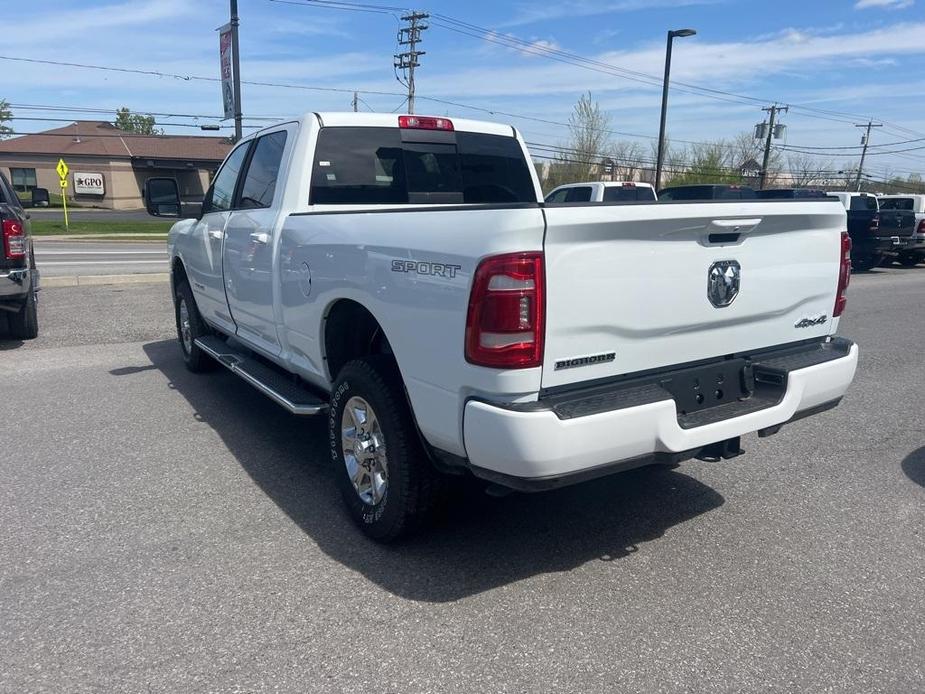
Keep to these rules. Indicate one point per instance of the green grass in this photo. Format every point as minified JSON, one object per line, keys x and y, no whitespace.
{"x":47,"y":227}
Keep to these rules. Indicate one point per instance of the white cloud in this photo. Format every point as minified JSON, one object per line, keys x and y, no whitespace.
{"x":885,"y":4}
{"x":539,"y":12}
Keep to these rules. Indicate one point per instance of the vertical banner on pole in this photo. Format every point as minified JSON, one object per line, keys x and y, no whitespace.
{"x":227,"y":69}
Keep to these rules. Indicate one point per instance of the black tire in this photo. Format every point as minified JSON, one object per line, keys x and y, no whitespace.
{"x":414,"y":487}
{"x":24,"y":324}
{"x":909,"y":259}
{"x":195,"y":359}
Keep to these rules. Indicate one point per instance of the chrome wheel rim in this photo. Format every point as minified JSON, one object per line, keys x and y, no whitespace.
{"x":364,"y":451}
{"x":186,"y":332}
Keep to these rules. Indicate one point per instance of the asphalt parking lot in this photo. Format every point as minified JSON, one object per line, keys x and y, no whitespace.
{"x":162,"y":531}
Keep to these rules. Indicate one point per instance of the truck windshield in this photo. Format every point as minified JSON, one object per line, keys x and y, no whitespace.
{"x":897,"y":204}
{"x":359,"y":166}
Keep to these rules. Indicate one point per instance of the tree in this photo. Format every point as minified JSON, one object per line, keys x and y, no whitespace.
{"x":628,"y":160}
{"x":136,"y":123}
{"x":707,"y":162}
{"x":806,"y":169}
{"x":589,"y":137}
{"x":6,"y":115}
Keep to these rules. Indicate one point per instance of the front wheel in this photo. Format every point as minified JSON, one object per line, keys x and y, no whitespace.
{"x":384,"y":475}
{"x":190,"y":326}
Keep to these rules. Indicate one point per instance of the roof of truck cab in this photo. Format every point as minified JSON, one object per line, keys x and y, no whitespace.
{"x":607,"y":184}
{"x":390,"y":120}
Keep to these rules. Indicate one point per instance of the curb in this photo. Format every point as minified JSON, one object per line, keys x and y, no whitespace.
{"x":97,"y":280}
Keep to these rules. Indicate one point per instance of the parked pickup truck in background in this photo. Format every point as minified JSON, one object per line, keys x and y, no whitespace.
{"x":914,"y":253}
{"x":707,"y":191}
{"x":19,"y":279}
{"x":875,"y":236}
{"x":603,"y":191}
{"x":402,"y":275}
{"x":789,"y":193}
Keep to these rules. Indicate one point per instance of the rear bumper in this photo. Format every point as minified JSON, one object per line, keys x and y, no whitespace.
{"x":16,"y":284}
{"x":540,"y":448}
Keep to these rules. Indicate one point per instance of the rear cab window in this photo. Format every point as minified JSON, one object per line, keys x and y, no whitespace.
{"x":867,"y":203}
{"x":373,"y":165}
{"x":897,"y":204}
{"x":628,"y":194}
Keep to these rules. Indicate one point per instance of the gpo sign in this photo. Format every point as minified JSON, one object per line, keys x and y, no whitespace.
{"x":88,"y":183}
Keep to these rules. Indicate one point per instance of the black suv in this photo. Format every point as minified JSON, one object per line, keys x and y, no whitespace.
{"x":19,"y":280}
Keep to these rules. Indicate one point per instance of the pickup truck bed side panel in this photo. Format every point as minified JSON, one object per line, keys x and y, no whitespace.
{"x":412,"y":269}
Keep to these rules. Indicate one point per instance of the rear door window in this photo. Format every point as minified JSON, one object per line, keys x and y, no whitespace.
{"x":579,"y":194}
{"x":263,"y":171}
{"x":360,"y":166}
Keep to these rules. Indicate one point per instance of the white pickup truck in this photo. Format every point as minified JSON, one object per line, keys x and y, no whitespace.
{"x":402,"y":275}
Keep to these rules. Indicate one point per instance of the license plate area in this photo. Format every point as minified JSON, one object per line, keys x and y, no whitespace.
{"x":703,"y":387}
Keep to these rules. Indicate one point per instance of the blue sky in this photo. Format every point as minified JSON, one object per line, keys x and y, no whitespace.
{"x":865,"y":58}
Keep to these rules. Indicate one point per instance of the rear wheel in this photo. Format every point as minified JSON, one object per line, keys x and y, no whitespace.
{"x":864,"y":263}
{"x":383,"y":472}
{"x":24,"y":324}
{"x":190,"y":326}
{"x":909,"y":259}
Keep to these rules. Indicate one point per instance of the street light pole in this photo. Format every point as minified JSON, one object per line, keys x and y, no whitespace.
{"x":681,"y":33}
{"x":237,"y":71}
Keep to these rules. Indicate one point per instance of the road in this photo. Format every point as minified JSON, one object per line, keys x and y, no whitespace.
{"x":163,"y":531}
{"x":55,"y":258}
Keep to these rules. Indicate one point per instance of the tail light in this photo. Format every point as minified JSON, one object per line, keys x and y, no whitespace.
{"x":505,"y":324}
{"x":425,"y":123}
{"x":921,"y":227}
{"x":874,"y":224}
{"x":844,"y":276}
{"x":14,"y":240}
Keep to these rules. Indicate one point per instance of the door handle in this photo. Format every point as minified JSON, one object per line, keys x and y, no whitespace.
{"x":216,"y":234}
{"x":260,"y":237}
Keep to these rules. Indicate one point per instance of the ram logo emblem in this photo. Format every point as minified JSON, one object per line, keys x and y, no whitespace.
{"x":723,"y":281}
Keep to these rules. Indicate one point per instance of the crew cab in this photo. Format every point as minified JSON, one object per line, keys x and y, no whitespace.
{"x":875,"y":236}
{"x":603,"y":191}
{"x":402,"y":276}
{"x":19,"y":278}
{"x":914,"y":253}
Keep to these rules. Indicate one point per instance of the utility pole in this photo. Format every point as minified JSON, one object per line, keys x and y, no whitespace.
{"x":237,"y":71}
{"x":774,"y":109}
{"x":410,"y":36}
{"x":865,"y":140}
{"x":355,"y":108}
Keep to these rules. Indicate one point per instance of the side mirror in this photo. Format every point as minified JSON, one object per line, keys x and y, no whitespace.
{"x":40,"y":197}
{"x":162,"y":197}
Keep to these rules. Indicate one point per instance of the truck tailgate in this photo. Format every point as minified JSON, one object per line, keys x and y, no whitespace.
{"x":628,"y":287}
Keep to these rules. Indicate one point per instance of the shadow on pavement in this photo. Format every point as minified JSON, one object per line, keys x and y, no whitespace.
{"x":483,"y":543}
{"x":7,"y":342}
{"x":914,"y":466}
